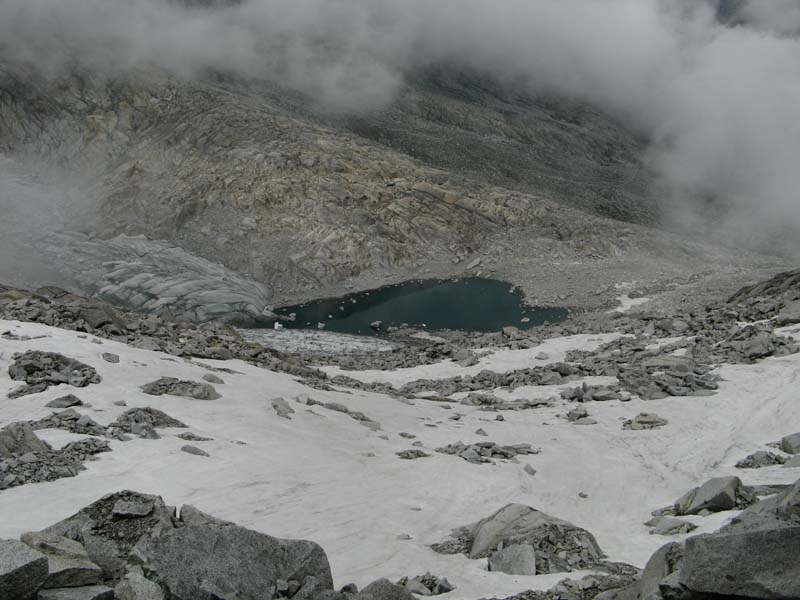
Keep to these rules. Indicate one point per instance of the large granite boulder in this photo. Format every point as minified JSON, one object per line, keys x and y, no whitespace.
{"x":244,"y":564}
{"x":752,"y":564}
{"x":68,"y":562}
{"x":558,"y":545}
{"x":23,"y":570}
{"x":110,"y":527}
{"x":715,"y":495}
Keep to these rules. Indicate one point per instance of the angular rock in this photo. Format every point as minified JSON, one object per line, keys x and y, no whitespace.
{"x":669,"y":526}
{"x":65,"y":402}
{"x":519,"y":559}
{"x":244,"y":564}
{"x":644,"y":421}
{"x":110,"y":357}
{"x":282,"y":408}
{"x":109,"y":537}
{"x":760,"y":459}
{"x":559,"y":545}
{"x":717,"y":494}
{"x":791,"y":443}
{"x":754,"y":564}
{"x":23,"y":570}
{"x":176,"y":387}
{"x":383,"y":589}
{"x":68,"y":562}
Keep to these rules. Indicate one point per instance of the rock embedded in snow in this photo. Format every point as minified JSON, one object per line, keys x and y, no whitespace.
{"x":194,"y":450}
{"x":110,"y":357}
{"x":791,"y":443}
{"x":211,"y":378}
{"x":519,"y":559}
{"x":412,"y":454}
{"x":68,"y":562}
{"x":40,"y":370}
{"x":176,"y":387}
{"x":715,"y":495}
{"x":383,"y":589}
{"x":282,"y":408}
{"x":559,"y":545}
{"x":644,"y":421}
{"x":760,"y":459}
{"x":752,"y":564}
{"x":669,"y":526}
{"x":65,"y":402}
{"x":193,"y":437}
{"x":426,"y":585}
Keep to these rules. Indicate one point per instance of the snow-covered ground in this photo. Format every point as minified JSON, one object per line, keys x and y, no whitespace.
{"x":325,"y":477}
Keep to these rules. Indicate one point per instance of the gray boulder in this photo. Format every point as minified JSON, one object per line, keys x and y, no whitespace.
{"x":760,"y":459}
{"x":68,"y":562}
{"x":109,"y":529}
{"x":559,"y":545}
{"x":92,"y":592}
{"x":23,"y":570}
{"x":669,"y":526}
{"x":282,"y":408}
{"x":189,"y":449}
{"x":18,"y":439}
{"x":753,"y":564}
{"x":244,"y":564}
{"x":383,"y":589}
{"x":791,"y":443}
{"x":777,"y":511}
{"x":135,"y":586}
{"x":519,"y":559}
{"x":175,"y":387}
{"x":715,"y":495}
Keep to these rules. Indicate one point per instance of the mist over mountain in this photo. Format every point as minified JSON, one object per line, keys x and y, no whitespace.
{"x":713,"y":87}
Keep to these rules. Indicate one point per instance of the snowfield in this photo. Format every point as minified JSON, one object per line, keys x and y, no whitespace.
{"x":323,"y":476}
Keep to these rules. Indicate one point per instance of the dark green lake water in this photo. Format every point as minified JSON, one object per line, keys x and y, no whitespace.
{"x":473,"y":304}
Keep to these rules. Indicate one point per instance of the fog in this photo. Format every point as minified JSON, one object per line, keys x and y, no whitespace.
{"x":714,"y":85}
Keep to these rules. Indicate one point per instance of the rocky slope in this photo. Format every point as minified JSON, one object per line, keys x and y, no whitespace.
{"x":236,"y":173}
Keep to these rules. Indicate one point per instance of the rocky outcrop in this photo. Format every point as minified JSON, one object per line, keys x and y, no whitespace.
{"x":557,"y":545}
{"x":753,"y":557}
{"x":22,"y":570}
{"x":175,"y":387}
{"x":40,"y":370}
{"x":132,"y":546}
{"x":24,"y":458}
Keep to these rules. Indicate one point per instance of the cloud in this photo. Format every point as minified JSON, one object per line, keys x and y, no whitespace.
{"x":720,"y":101}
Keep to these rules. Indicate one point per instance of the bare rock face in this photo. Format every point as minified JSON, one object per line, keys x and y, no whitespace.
{"x":22,"y":570}
{"x":753,"y":564}
{"x":243,"y":563}
{"x":109,"y":529}
{"x":68,"y":562}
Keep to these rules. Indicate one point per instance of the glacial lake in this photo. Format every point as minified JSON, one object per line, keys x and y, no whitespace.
{"x":471,"y":304}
